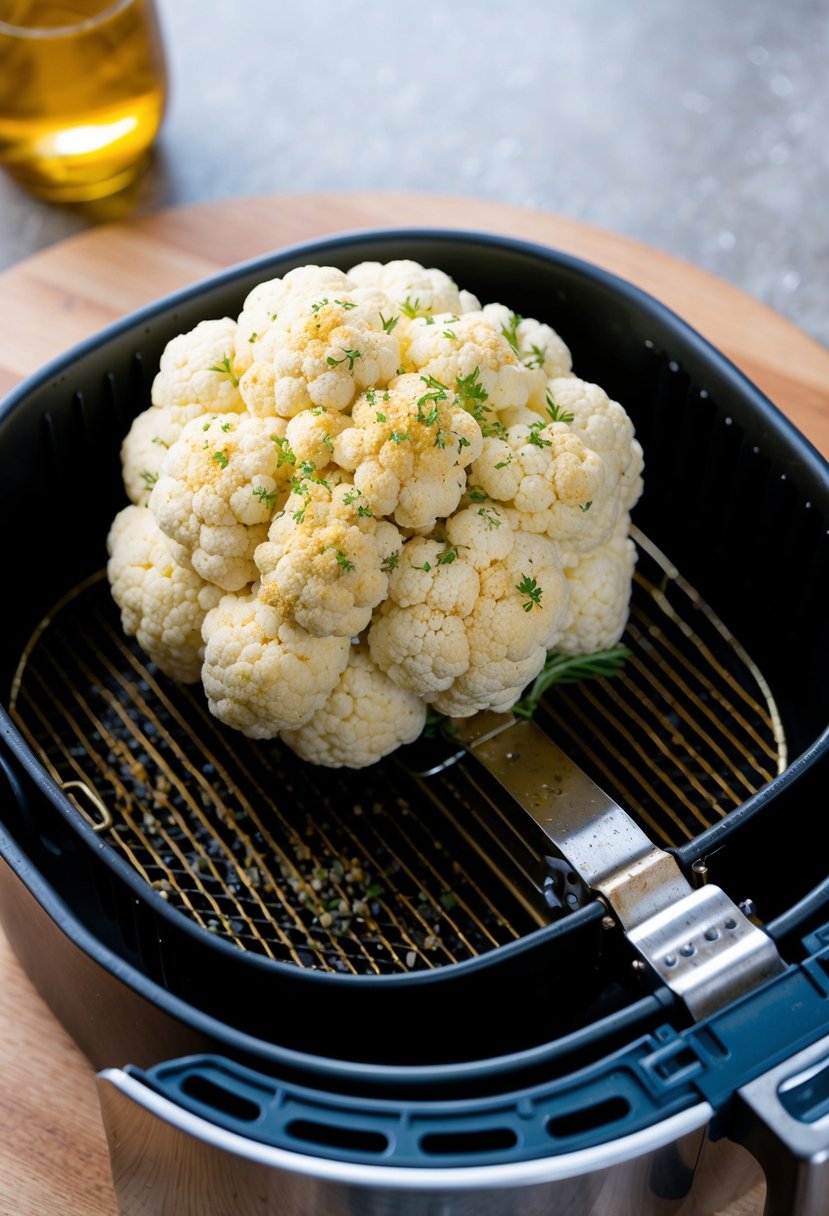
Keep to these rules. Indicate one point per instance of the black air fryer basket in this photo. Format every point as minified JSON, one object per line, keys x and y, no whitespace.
{"x":166,"y":879}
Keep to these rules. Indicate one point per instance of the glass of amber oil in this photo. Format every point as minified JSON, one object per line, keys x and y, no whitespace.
{"x":83,"y":85}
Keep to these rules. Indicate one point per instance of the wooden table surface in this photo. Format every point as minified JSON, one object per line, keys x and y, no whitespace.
{"x":53,"y":1158}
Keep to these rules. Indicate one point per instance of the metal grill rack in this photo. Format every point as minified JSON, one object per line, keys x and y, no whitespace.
{"x":386,"y":871}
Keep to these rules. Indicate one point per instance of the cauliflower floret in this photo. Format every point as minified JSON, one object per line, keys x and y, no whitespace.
{"x":408,"y":448}
{"x":321,"y":350}
{"x":550,"y":483}
{"x":365,"y":718}
{"x":162,"y":604}
{"x":418,"y":637}
{"x":266,"y":301}
{"x":466,"y":349}
{"x":324,"y":564}
{"x":517,"y":617}
{"x":197,"y":368}
{"x":604,"y":426}
{"x":310,"y":433}
{"x":414,"y":289}
{"x":220,"y":484}
{"x":600,"y":586}
{"x":142,"y":452}
{"x":537,"y":344}
{"x":263,"y":674}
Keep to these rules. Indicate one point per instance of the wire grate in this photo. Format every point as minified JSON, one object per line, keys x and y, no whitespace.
{"x":388,"y":871}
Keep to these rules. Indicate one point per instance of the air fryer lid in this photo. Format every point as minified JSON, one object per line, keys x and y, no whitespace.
{"x":718,"y":456}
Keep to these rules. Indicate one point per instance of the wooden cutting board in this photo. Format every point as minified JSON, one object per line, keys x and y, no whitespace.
{"x":53,"y":1158}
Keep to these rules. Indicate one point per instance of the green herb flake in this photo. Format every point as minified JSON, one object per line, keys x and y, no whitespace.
{"x":529,"y":587}
{"x":380,"y":416}
{"x":158,"y":439}
{"x":476,"y":494}
{"x":510,"y":330}
{"x":557,"y":414}
{"x":221,"y":459}
{"x":399,"y":436}
{"x":343,"y":561}
{"x":388,"y":323}
{"x":410,"y":307}
{"x":149,"y":478}
{"x":315,"y":308}
{"x":286,"y":455}
{"x":536,"y":438}
{"x":346,"y":304}
{"x":226,"y":426}
{"x":490,"y":519}
{"x":502,"y":464}
{"x":266,"y":497}
{"x":351,"y":355}
{"x":392,"y":561}
{"x":585,"y":506}
{"x":225,"y":369}
{"x":448,"y":556}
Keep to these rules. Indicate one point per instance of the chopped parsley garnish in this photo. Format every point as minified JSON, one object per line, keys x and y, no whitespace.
{"x":536,"y":356}
{"x":226,"y":426}
{"x":494,"y":430}
{"x":472,"y":394}
{"x":535,"y":437}
{"x":439,"y":392}
{"x":346,"y":304}
{"x":226,"y":370}
{"x":388,"y":323}
{"x":426,"y":567}
{"x":529,"y":587}
{"x":351,"y":355}
{"x":491,"y":520}
{"x":316,"y":410}
{"x":253,"y":336}
{"x":221,"y":459}
{"x":392,"y":561}
{"x":319,"y":304}
{"x":371,"y":396}
{"x":448,"y":556}
{"x":502,"y":464}
{"x":399,"y":436}
{"x":326,"y":439}
{"x":447,"y":333}
{"x":343,"y":561}
{"x":266,"y":497}
{"x":557,"y":414}
{"x":286,"y":455}
{"x":410,"y":307}
{"x":585,"y":506}
{"x":434,"y":413}
{"x":364,"y":511}
{"x":158,"y":439}
{"x":476,"y":494}
{"x":149,"y":478}
{"x":510,"y":330}
{"x":352,"y":496}
{"x":380,"y":416}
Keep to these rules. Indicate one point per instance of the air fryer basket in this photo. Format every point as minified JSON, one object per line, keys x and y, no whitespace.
{"x":228,"y":868}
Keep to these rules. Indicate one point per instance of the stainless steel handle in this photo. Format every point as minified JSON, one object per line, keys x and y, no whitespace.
{"x":784,"y":1122}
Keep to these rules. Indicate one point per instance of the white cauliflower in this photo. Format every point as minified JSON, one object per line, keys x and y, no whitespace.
{"x":197,"y":368}
{"x":322,"y":350}
{"x":412,"y":289}
{"x":163,"y":605}
{"x":367,"y":495}
{"x":516,"y":619}
{"x":265,"y":302}
{"x":142,"y":451}
{"x":219,"y":486}
{"x":603,"y":426}
{"x":552,"y":483}
{"x":600,"y":586}
{"x":418,"y":637}
{"x":536,"y":344}
{"x":263,"y":674}
{"x":364,"y":718}
{"x":408,"y":448}
{"x":325,"y":563}
{"x":466,"y":349}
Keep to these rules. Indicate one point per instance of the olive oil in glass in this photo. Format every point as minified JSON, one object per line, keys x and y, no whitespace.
{"x":83,"y":87}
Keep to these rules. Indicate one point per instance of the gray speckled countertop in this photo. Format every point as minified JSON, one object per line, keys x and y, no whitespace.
{"x":699,"y":128}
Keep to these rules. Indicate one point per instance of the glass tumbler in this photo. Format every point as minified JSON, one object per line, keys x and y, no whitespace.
{"x":83,"y":85}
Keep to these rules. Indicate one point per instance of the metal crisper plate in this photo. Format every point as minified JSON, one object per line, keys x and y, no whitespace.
{"x":385,"y":871}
